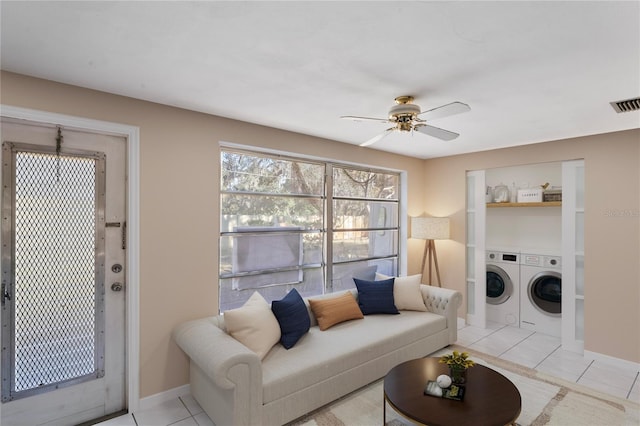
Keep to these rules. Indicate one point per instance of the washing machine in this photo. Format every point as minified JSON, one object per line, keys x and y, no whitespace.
{"x":541,"y":293}
{"x":503,"y":287}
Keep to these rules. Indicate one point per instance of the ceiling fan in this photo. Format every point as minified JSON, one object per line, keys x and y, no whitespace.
{"x":406,"y":116}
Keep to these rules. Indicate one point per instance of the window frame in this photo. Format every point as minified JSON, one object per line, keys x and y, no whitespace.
{"x":327,"y":263}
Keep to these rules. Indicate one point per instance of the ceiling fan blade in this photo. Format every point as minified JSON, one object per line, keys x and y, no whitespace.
{"x":356,"y":118}
{"x":436,"y":132}
{"x":378,"y":137}
{"x":444,"y":111}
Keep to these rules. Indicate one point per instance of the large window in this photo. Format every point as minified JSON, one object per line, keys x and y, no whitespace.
{"x":289,"y":222}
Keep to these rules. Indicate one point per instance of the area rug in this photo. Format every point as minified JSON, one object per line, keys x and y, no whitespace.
{"x":546,"y":400}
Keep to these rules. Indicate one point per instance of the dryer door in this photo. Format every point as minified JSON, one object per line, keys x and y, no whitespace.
{"x":545,"y":292}
{"x":499,"y":285}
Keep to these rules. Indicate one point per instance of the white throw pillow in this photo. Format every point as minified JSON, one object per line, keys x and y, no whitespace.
{"x":406,"y":292}
{"x":254,"y":325}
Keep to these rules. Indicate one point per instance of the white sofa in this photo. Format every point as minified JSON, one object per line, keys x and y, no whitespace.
{"x":235,"y":387}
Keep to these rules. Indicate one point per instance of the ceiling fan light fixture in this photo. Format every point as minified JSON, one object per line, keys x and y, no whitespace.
{"x":403,"y":110}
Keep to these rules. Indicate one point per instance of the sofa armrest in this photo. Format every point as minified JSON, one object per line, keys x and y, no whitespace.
{"x":216,"y":353}
{"x":445,"y":302}
{"x":229,"y":366}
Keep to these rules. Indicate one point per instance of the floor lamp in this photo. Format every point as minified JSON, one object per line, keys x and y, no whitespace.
{"x":430,"y":229}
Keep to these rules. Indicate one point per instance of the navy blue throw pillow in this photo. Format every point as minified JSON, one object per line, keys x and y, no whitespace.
{"x":376,"y":297}
{"x":293,"y":317}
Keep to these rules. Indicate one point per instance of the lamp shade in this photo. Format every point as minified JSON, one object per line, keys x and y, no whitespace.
{"x":430,"y":228}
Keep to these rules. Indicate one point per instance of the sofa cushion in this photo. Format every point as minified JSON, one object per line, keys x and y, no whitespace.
{"x":254,"y":325}
{"x":320,"y":356}
{"x":376,"y":297}
{"x":406,"y":292}
{"x":291,"y":313}
{"x":334,"y":310}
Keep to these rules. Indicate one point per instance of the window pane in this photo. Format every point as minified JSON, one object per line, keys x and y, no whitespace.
{"x":343,"y":273}
{"x":230,"y":298}
{"x":252,"y":173}
{"x":365,"y":184}
{"x":259,"y":210}
{"x":274,"y":226}
{"x":255,"y":251}
{"x":359,"y":214}
{"x":353,"y":245}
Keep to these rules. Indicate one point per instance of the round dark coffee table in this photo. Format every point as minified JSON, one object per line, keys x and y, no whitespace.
{"x":489,"y":399}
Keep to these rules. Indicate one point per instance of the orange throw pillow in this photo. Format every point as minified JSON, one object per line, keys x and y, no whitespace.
{"x":334,"y":310}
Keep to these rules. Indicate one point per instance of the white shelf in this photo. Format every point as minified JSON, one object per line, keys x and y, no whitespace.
{"x":540,"y":204}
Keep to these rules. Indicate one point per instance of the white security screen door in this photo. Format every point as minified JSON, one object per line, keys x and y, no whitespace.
{"x":63,"y":252}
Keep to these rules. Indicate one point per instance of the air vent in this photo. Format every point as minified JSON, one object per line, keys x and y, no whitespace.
{"x":626,"y":106}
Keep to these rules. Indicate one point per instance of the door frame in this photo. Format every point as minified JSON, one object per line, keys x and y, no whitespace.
{"x":132,"y":135}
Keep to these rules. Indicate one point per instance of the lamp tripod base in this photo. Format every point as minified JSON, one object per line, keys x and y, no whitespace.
{"x":430,"y":252}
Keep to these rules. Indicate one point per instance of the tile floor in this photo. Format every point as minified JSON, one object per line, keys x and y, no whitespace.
{"x":533,"y":350}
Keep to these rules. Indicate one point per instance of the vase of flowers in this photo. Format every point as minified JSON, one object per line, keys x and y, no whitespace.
{"x":458,"y":362}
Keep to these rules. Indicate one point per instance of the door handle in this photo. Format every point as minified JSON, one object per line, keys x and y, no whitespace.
{"x":5,"y":294}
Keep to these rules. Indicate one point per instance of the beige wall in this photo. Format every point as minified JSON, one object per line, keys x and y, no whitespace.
{"x":179,"y":203}
{"x":612,"y":227}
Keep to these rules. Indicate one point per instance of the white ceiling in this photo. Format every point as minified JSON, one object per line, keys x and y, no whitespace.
{"x":531,"y":71}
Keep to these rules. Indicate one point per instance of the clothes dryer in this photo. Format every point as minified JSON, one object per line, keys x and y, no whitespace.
{"x":503,"y":287}
{"x":541,"y":293}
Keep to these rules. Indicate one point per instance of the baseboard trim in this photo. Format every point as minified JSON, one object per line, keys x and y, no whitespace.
{"x":616,"y":362}
{"x":461,"y":323}
{"x":159,"y":398}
